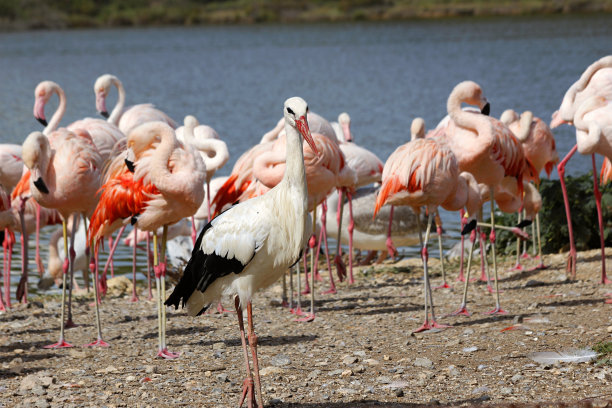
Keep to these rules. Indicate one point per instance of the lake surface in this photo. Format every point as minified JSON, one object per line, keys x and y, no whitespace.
{"x":235,"y":78}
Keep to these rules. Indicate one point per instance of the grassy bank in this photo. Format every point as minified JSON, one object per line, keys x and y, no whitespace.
{"x":59,"y":14}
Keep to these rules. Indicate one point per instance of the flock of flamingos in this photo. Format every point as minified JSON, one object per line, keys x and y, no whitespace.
{"x":139,"y":168}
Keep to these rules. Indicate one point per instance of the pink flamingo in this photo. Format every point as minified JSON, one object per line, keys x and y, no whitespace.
{"x":587,"y":105}
{"x":424,"y":172}
{"x":540,"y":149}
{"x":167,"y":185}
{"x":103,"y":134}
{"x":11,"y":221}
{"x":368,"y":169}
{"x":486,"y":148}
{"x":213,"y":151}
{"x":65,"y":175}
{"x":126,"y":118}
{"x":267,"y":234}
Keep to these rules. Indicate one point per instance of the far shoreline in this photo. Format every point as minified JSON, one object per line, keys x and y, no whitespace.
{"x":47,"y":17}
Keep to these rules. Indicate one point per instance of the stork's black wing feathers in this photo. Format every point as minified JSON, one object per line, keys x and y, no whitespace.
{"x":201,"y":271}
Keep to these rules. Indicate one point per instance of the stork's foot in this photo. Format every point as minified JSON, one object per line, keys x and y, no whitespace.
{"x":444,"y":285}
{"x":248,"y":394}
{"x":497,"y":311}
{"x":168,"y":355}
{"x":60,"y":344}
{"x":461,"y":311}
{"x":97,"y":343}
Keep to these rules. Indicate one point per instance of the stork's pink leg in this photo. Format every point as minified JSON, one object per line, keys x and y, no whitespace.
{"x":323,"y":238}
{"x":351,"y":229}
{"x":253,"y":346}
{"x":390,"y":247}
{"x":39,"y":264}
{"x":597,"y":193}
{"x":311,"y":245}
{"x":134,"y":295}
{"x":297,"y":310}
{"x":248,"y":387}
{"x":571,"y":259}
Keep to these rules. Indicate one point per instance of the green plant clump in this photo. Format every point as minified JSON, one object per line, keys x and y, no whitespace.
{"x":553,"y":222}
{"x":604,"y":351}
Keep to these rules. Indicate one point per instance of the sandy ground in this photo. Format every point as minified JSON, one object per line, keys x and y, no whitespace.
{"x":359,"y":351}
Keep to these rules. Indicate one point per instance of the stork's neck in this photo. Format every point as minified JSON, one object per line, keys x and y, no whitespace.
{"x":118,"y":109}
{"x":295,"y":173}
{"x":59,"y":112}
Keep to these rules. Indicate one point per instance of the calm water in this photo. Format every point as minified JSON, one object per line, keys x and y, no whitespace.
{"x":236,"y":78}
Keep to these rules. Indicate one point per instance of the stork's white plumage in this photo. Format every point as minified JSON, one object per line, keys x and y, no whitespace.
{"x":249,"y":246}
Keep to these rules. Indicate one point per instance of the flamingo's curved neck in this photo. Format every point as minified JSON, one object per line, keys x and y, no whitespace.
{"x":118,"y":109}
{"x":160,"y":174}
{"x":586,"y":107}
{"x":525,"y":126}
{"x":59,"y":112}
{"x":216,"y":153}
{"x":268,"y":166}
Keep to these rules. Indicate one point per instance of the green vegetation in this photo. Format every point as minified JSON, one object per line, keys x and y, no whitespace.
{"x":553,"y":223}
{"x":31,"y":14}
{"x":604,"y":351}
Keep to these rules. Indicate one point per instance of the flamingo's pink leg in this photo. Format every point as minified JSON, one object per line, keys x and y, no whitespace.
{"x":149,"y":268}
{"x":93,"y":267}
{"x":597,"y":193}
{"x":109,"y":260}
{"x":134,"y":295}
{"x":463,"y":307}
{"x":39,"y":264}
{"x":571,"y":259}
{"x":351,"y":229}
{"x":323,"y":238}
{"x":340,"y":267}
{"x":461,"y":278}
{"x":390,"y":247}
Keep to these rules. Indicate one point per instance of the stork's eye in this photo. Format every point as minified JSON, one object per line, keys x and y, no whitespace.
{"x":290,"y":111}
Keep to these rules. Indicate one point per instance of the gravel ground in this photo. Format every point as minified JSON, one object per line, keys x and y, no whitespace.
{"x":358,"y":352}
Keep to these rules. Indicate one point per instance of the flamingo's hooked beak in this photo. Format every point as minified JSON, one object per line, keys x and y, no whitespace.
{"x":302,"y":126}
{"x":130,"y":165}
{"x":101,"y":104}
{"x":486,"y":109}
{"x":39,"y":111}
{"x":41,"y":186}
{"x":469,"y":227}
{"x":346,"y":129}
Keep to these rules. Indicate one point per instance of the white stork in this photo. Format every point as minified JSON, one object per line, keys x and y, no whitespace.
{"x":251,"y":245}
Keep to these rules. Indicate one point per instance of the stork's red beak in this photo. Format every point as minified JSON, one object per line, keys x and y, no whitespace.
{"x":302,"y":126}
